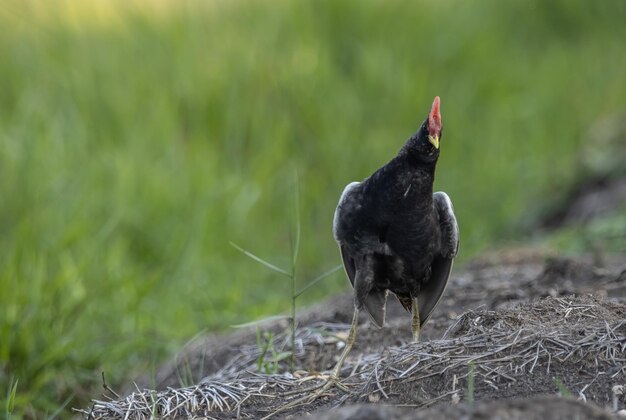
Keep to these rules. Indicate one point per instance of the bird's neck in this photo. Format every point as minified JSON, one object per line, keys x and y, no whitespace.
{"x":421,"y":181}
{"x":416,"y":161}
{"x":422,"y":171}
{"x":414,"y":183}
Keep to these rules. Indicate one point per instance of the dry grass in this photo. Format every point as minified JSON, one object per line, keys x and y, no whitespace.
{"x":505,"y":347}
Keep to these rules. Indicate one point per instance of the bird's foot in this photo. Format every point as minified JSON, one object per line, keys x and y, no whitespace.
{"x":328,"y":381}
{"x":318,"y":391}
{"x":332,"y":381}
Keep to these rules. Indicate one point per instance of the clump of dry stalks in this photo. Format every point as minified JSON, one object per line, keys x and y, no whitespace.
{"x":504,"y":348}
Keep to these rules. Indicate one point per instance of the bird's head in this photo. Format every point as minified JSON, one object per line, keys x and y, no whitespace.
{"x":424,"y":144}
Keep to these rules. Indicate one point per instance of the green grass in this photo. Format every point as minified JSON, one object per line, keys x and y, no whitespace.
{"x":136,"y":142}
{"x":563,"y":390}
{"x":601,"y":236}
{"x":470,"y":384}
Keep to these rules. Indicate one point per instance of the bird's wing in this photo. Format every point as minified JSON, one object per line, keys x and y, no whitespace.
{"x":348,"y":260}
{"x":375,"y":305}
{"x":346,"y":197}
{"x":348,"y":263}
{"x":431,"y":292}
{"x":448,"y":224}
{"x":374,"y":301}
{"x":366,"y":295}
{"x":362,"y":280}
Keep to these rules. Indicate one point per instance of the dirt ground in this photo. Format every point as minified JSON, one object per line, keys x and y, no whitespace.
{"x":518,"y":334}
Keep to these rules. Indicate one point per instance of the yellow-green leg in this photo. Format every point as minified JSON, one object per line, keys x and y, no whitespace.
{"x":349,"y":343}
{"x":333,"y":380}
{"x":415,"y":324}
{"x":334,"y":376}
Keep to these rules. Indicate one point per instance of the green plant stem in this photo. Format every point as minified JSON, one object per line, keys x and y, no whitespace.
{"x":470,"y":384}
{"x":294,"y":260}
{"x":292,"y":359}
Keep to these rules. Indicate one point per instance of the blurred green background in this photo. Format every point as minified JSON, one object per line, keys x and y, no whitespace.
{"x":138,"y":138}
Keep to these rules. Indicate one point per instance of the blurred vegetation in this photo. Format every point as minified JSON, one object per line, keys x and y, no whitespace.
{"x":137,"y":139}
{"x":599,"y":236}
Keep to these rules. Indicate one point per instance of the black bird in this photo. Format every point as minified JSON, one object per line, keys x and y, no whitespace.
{"x":396,"y":236}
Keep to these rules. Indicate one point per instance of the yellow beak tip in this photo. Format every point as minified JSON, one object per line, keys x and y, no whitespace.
{"x":434,"y":140}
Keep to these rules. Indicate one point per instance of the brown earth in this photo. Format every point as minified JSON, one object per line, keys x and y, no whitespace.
{"x":514,"y":331}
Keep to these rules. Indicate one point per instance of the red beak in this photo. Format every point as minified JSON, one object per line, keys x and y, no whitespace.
{"x":434,"y":119}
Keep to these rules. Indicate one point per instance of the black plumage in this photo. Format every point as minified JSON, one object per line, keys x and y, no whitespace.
{"x":395,"y":235}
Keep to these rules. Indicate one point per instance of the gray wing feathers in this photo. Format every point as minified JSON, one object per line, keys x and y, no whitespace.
{"x":342,"y":199}
{"x":375,"y":305}
{"x":348,"y":263}
{"x":347,"y":258}
{"x":432,"y":291}
{"x":448,"y":224}
{"x":361,"y":278}
{"x":365,"y":297}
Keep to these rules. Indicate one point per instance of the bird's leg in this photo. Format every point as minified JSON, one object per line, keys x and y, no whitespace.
{"x":349,"y":342}
{"x":415,"y":324}
{"x":333,"y":379}
{"x":334,"y":376}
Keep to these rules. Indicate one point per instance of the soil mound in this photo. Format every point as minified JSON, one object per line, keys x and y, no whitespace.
{"x":528,"y":330}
